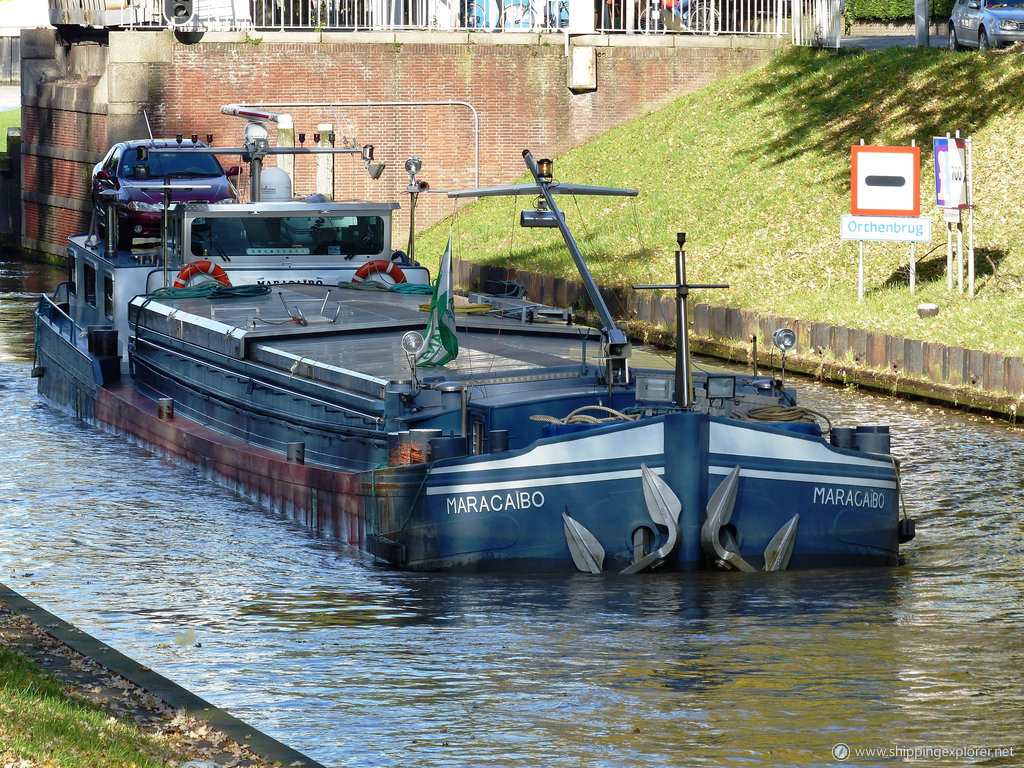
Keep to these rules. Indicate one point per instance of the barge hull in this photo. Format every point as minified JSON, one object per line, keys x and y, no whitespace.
{"x":416,"y":521}
{"x":346,"y":505}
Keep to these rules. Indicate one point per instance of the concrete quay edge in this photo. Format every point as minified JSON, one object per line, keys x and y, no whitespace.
{"x":170,"y":692}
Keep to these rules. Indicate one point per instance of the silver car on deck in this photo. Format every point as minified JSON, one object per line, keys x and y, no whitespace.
{"x":985,"y":24}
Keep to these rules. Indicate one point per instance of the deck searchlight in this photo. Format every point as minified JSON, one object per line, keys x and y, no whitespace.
{"x":784,"y":340}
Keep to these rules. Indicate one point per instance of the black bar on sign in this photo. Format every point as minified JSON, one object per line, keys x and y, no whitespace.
{"x":885,"y":181}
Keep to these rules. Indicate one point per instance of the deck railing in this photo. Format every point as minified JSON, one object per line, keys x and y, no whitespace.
{"x":807,"y":22}
{"x":49,"y":309}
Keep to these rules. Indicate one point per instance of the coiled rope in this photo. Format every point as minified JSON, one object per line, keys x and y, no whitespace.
{"x":579,"y":417}
{"x":374,"y":285}
{"x":788,"y":413}
{"x":463,"y":309}
{"x":211,"y":289}
{"x":767,"y":413}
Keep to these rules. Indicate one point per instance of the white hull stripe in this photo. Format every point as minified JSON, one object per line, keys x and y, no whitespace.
{"x":742,"y":441}
{"x":641,"y":441}
{"x":600,"y":477}
{"x":539,"y":482}
{"x":800,"y":477}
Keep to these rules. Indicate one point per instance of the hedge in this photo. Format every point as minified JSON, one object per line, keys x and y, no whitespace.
{"x":893,"y":10}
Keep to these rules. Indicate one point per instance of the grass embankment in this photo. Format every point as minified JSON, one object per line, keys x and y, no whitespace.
{"x":8,"y":119}
{"x":41,"y":724}
{"x":756,"y":169}
{"x":60,"y":709}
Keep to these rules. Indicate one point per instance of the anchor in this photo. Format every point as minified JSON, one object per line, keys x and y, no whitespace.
{"x":718,"y":542}
{"x":664,"y":508}
{"x":586,"y":551}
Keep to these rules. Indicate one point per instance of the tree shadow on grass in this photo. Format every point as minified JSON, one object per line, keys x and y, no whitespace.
{"x":931,"y":268}
{"x":826,"y":102}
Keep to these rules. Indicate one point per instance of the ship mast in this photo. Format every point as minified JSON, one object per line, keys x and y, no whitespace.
{"x":684,"y":373}
{"x":616,"y":345}
{"x":615,"y":341}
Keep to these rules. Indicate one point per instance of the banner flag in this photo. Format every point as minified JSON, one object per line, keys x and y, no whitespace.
{"x":440,"y":345}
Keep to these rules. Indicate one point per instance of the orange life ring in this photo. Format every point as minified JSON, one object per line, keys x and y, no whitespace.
{"x":216,"y":271}
{"x":379,"y":265}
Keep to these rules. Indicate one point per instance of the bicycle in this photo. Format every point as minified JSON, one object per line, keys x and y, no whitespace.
{"x":535,"y":14}
{"x":519,"y":14}
{"x":701,"y":16}
{"x":704,"y":17}
{"x":556,"y":14}
{"x":480,"y":14}
{"x":650,"y":20}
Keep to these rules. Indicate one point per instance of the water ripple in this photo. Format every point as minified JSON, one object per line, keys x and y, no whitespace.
{"x":359,"y":666}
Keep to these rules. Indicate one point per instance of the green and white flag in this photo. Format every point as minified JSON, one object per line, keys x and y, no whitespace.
{"x":440,"y":343}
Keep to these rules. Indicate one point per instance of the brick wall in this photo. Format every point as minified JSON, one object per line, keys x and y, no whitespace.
{"x":57,"y":176}
{"x":518,"y":91}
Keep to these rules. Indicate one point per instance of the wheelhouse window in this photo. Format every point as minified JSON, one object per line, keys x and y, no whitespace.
{"x":72,"y":274}
{"x":344,"y":236}
{"x":108,"y":296}
{"x":90,"y":284}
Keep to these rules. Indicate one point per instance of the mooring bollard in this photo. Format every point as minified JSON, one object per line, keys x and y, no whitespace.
{"x":165,"y":408}
{"x":499,"y":440}
{"x":297,"y":452}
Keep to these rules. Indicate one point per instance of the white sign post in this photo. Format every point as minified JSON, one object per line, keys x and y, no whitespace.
{"x":970,"y":218}
{"x":885,"y":186}
{"x":907,"y":229}
{"x":952,"y":195}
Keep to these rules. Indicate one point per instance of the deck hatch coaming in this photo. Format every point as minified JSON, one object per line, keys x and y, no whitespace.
{"x":351,"y":337}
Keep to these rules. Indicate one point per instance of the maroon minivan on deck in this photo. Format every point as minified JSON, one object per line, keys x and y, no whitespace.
{"x":129,"y":172}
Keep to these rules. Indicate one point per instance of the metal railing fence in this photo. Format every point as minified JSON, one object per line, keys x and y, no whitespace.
{"x":806,"y":22}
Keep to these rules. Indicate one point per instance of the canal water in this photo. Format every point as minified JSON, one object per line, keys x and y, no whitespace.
{"x":359,"y":666}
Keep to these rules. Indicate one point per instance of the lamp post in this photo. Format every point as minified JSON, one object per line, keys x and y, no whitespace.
{"x":412,"y":167}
